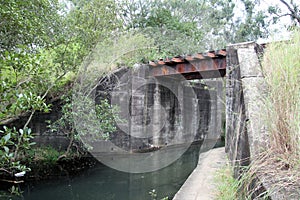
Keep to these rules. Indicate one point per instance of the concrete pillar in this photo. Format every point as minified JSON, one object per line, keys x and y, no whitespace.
{"x":156,"y":115}
{"x":244,"y":90}
{"x":181,"y":126}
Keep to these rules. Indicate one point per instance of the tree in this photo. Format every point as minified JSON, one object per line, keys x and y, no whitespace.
{"x":182,"y":27}
{"x":90,"y":114}
{"x":293,"y":10}
{"x":91,"y":22}
{"x":42,"y":43}
{"x":27,"y":30}
{"x":28,"y":24}
{"x":254,"y":25}
{"x":156,"y":20}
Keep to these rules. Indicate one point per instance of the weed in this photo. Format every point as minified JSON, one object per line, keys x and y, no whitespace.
{"x":227,"y":185}
{"x":15,"y":191}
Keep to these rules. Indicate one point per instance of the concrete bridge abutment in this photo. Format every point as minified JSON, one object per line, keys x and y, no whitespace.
{"x":245,"y":87}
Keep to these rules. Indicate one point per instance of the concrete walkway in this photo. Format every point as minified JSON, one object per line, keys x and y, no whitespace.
{"x":200,"y":185}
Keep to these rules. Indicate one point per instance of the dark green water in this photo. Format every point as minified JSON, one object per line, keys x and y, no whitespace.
{"x":104,"y":183}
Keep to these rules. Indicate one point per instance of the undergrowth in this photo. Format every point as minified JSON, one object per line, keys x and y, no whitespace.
{"x":227,"y":185}
{"x":46,"y":154}
{"x":245,"y":187}
{"x":280,"y":159}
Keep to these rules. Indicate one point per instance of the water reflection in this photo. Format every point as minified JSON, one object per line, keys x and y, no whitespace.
{"x":104,"y":183}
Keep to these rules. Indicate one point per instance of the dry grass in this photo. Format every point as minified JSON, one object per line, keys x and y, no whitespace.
{"x":281,"y":66}
{"x":279,"y":163}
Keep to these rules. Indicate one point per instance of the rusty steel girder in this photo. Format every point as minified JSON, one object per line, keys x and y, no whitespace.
{"x":199,"y":66}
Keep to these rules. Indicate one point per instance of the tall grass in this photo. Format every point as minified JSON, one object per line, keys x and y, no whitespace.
{"x":281,"y":67}
{"x":246,"y":187}
{"x":280,"y":159}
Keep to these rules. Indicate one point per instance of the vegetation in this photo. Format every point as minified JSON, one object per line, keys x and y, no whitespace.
{"x":153,"y":195}
{"x":281,"y":157}
{"x":281,"y":70}
{"x":183,"y":27}
{"x":46,"y":43}
{"x":245,"y":187}
{"x":45,"y":154}
{"x":277,"y":163}
{"x":14,"y":145}
{"x":37,"y":60}
{"x":292,"y":12}
{"x":106,"y":116}
{"x":227,"y":186}
{"x":12,"y":193}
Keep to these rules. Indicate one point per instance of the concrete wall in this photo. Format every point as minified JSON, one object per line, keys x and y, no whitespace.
{"x":39,"y":126}
{"x":167,"y":110}
{"x":245,"y":131}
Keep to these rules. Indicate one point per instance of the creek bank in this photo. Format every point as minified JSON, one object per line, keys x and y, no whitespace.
{"x":41,"y":170}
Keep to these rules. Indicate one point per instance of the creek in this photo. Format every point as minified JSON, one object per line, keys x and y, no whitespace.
{"x":103,"y":183}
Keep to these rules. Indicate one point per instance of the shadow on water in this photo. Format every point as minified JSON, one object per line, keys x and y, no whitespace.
{"x":104,"y":183}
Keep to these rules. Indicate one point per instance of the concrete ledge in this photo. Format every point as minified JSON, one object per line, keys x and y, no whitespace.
{"x":200,"y":185}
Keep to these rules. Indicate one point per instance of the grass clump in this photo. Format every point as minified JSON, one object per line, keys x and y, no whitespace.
{"x":246,"y":187}
{"x":227,"y":185}
{"x":281,"y":66}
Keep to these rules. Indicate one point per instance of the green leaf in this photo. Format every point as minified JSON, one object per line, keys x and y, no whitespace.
{"x":6,"y":149}
{"x":32,"y":143}
{"x":7,"y":137}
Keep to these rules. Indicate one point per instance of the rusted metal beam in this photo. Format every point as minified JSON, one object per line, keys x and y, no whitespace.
{"x":211,"y":64}
{"x":194,"y":66}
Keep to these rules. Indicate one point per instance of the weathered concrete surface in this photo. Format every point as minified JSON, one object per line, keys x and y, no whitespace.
{"x":166,"y":111}
{"x":237,"y":145}
{"x":156,"y":111}
{"x":244,"y":89}
{"x":201,"y":184}
{"x":39,"y":126}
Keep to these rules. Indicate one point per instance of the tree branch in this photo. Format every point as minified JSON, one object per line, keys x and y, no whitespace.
{"x":293,"y":11}
{"x":31,"y":115}
{"x":4,"y":170}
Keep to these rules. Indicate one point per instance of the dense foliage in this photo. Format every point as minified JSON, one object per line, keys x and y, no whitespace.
{"x":43,"y":45}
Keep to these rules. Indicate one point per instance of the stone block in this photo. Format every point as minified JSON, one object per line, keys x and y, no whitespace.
{"x":249,"y":63}
{"x":254,"y":89}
